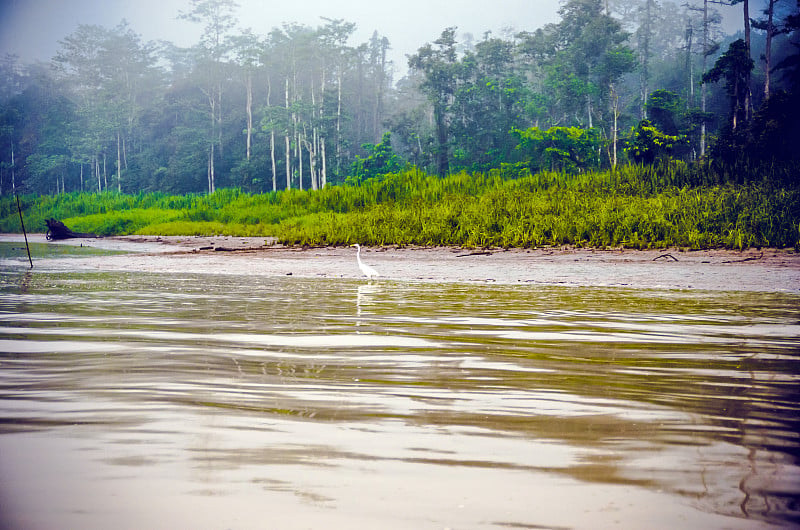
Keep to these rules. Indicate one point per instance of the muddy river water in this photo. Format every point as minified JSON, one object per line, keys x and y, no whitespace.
{"x":141,"y":398}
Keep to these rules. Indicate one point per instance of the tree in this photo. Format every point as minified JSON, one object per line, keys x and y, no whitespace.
{"x":591,"y":58}
{"x":381,"y":160}
{"x":302,"y":103}
{"x":772,"y":27}
{"x":489,"y":102}
{"x":568,"y":149}
{"x":709,"y":22}
{"x":77,"y":63}
{"x":249,"y":50}
{"x":734,"y":66}
{"x":218,"y":19}
{"x":12,"y":78}
{"x":410,"y":122}
{"x":747,"y":102}
{"x":334,"y":36}
{"x":645,"y":35}
{"x":36,"y":127}
{"x":130,"y":76}
{"x":774,"y":131}
{"x":647,"y":143}
{"x":664,"y":107}
{"x":439,"y":67}
{"x":110,"y":74}
{"x":380,"y":81}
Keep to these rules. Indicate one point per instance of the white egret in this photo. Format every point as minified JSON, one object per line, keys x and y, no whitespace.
{"x":368,"y":271}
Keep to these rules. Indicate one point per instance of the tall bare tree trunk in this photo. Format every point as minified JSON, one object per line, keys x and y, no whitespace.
{"x":312,"y":146}
{"x":288,"y":143}
{"x":119,"y":164}
{"x":768,"y":50}
{"x":321,"y":146}
{"x":272,"y":156}
{"x":339,"y":121}
{"x":377,"y":112}
{"x":689,"y":62}
{"x":644,"y":79}
{"x":589,"y":109}
{"x":298,"y":150}
{"x":324,"y":169}
{"x":212,"y":104}
{"x":211,"y":169}
{"x":614,"y":133}
{"x":314,"y":168}
{"x":272,"y":139}
{"x":249,"y":112}
{"x":748,"y":98}
{"x":219,"y":117}
{"x":703,"y":91}
{"x":124,"y":153}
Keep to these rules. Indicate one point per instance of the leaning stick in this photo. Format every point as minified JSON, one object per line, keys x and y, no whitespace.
{"x":24,"y":233}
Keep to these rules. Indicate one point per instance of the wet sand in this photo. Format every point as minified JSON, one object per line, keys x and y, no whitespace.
{"x":771,"y":270}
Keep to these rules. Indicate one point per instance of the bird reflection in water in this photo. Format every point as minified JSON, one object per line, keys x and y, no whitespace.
{"x":365,"y":297}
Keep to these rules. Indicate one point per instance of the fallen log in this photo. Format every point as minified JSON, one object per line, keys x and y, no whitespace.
{"x":751,"y":258}
{"x":670,"y":256}
{"x":58,"y":230}
{"x":476,"y":253}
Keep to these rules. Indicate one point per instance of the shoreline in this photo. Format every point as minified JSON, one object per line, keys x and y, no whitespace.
{"x":771,"y":270}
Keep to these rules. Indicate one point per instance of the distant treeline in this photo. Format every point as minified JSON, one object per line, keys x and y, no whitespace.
{"x":303,"y":107}
{"x":634,"y":207}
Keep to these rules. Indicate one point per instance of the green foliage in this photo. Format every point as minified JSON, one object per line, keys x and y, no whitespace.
{"x":440,"y":70}
{"x":381,"y":160}
{"x":734,"y":66}
{"x":556,"y":209}
{"x":567,"y":149}
{"x":633,"y":206}
{"x":646,"y":143}
{"x":765,"y":147}
{"x":664,"y":108}
{"x":293,"y":107}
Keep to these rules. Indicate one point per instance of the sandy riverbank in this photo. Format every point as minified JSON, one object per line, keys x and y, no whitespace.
{"x":751,"y":270}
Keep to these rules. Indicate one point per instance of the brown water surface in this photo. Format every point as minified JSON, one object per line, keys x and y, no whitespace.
{"x":186,"y":400}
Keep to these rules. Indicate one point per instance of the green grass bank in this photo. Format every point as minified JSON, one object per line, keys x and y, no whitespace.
{"x":634,"y":207}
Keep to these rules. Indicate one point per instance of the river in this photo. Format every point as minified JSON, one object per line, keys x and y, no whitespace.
{"x":139,"y":399}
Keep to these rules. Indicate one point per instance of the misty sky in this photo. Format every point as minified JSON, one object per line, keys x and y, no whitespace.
{"x":32,"y":28}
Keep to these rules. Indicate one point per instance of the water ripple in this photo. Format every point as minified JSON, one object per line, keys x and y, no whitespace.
{"x":686,"y":400}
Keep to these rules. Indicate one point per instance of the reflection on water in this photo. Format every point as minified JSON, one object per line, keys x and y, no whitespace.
{"x":226,"y":401}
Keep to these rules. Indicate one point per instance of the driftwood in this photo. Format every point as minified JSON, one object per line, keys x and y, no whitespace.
{"x":670,"y":256}
{"x":751,"y":258}
{"x":58,"y":230}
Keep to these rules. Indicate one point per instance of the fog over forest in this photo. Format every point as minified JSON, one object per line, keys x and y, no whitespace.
{"x":573,"y":86}
{"x":32,"y":29}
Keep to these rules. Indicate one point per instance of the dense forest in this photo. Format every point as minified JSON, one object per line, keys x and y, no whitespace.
{"x":613,"y":82}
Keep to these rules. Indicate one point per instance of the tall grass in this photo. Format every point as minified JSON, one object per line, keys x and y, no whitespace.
{"x":637,"y":207}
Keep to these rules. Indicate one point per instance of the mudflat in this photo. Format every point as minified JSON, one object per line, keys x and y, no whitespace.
{"x":714,"y":269}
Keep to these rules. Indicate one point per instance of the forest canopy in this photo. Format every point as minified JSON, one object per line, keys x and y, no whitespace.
{"x":304,"y":107}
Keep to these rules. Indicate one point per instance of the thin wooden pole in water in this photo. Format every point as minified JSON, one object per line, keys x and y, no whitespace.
{"x":24,"y":233}
{"x":19,"y":208}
